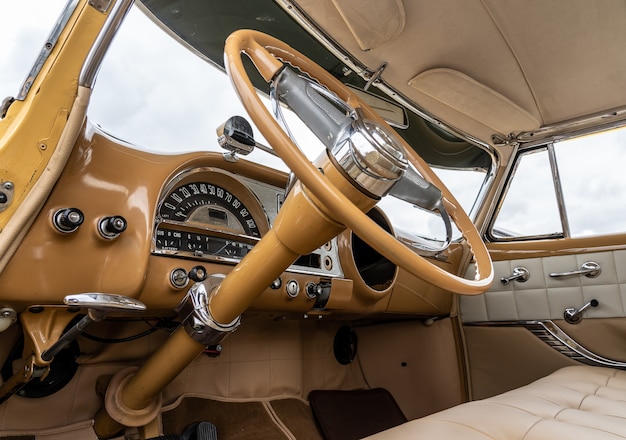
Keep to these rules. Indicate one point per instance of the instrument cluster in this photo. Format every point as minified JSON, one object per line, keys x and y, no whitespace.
{"x":211,"y":214}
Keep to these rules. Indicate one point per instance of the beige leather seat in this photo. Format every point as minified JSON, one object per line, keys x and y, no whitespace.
{"x":579,"y":402}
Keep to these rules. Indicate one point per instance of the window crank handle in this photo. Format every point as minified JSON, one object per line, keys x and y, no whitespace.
{"x":574,"y":316}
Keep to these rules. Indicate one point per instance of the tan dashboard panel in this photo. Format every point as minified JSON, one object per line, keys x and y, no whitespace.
{"x":103,"y":178}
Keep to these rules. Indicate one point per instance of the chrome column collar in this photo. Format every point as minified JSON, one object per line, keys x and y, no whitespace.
{"x":370,"y":155}
{"x":196,"y":316}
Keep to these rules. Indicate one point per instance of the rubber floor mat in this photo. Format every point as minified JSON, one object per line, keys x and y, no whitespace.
{"x":351,"y":415}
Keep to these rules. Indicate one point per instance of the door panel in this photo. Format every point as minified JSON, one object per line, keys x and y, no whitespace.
{"x":516,"y":333}
{"x":544,"y":297}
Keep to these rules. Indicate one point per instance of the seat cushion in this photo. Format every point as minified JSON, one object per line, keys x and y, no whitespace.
{"x":573,"y":402}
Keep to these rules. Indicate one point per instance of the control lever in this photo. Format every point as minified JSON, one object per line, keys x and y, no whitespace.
{"x":416,"y":190}
{"x":98,"y":305}
{"x":574,"y":316}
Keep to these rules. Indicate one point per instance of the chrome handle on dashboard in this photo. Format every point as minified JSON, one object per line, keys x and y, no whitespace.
{"x":574,"y":316}
{"x":520,"y":274}
{"x":98,"y":305}
{"x":590,"y":269}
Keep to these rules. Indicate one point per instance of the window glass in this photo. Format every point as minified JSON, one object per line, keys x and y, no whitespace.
{"x":592,"y":181}
{"x":530,"y":206}
{"x":159,"y":96}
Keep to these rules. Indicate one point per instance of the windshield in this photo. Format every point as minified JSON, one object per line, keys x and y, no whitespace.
{"x":160,"y":96}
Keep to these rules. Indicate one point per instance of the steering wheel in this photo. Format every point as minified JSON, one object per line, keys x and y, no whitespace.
{"x":269,"y":55}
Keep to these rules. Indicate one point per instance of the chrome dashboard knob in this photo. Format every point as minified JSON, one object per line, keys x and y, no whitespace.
{"x":111,"y":227}
{"x":67,"y":220}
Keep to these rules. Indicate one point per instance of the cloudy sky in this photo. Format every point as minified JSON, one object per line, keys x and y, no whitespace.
{"x":150,"y":91}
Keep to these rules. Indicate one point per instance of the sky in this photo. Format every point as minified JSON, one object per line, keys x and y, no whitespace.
{"x":150,"y":91}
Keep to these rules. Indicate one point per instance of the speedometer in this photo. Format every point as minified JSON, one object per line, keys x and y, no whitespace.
{"x":209,"y":205}
{"x":208,"y":214}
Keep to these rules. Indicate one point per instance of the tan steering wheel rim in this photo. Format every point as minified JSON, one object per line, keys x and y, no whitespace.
{"x":266,"y":53}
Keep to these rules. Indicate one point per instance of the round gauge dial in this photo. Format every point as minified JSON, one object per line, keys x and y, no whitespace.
{"x":208,"y":214}
{"x":210,"y":206}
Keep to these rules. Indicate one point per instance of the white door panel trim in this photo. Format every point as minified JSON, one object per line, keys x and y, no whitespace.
{"x":542,"y":297}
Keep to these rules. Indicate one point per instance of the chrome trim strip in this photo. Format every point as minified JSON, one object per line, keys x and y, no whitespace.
{"x":94,"y":59}
{"x":50,"y":43}
{"x":576,"y":127}
{"x":555,"y":337}
{"x":558,"y":190}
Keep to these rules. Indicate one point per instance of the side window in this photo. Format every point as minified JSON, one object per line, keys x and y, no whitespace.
{"x":530,"y":206}
{"x":585,"y":176}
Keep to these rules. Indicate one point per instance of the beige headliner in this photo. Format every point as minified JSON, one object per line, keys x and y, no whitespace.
{"x":516,"y":65}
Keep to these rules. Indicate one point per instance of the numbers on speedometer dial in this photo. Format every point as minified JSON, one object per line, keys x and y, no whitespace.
{"x":208,"y":205}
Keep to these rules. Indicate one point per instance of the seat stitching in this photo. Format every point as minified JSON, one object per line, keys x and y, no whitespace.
{"x":456,"y":422}
{"x":531,"y":427}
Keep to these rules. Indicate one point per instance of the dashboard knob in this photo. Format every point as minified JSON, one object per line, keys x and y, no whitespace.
{"x":111,"y":227}
{"x":179,"y":278}
{"x":68,"y":220}
{"x":198,"y":274}
{"x":313,"y":290}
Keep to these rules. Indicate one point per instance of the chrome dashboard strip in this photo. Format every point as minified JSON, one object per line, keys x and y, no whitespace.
{"x":555,"y":337}
{"x":52,"y":40}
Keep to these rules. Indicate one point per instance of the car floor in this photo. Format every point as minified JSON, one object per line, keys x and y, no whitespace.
{"x":261,"y":380}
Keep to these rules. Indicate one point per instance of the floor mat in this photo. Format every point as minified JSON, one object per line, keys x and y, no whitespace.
{"x":347,"y":415}
{"x":233,"y":420}
{"x":296,"y":415}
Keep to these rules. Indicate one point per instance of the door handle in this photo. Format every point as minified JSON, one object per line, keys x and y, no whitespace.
{"x":590,"y":269}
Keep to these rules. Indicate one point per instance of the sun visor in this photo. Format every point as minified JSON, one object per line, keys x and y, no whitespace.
{"x":372,"y":22}
{"x":469,"y":105}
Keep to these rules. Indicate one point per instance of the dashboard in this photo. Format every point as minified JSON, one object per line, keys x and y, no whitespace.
{"x":188,"y":211}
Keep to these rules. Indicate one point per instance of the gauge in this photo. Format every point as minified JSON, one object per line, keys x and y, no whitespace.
{"x":209,"y":205}
{"x":208,"y":214}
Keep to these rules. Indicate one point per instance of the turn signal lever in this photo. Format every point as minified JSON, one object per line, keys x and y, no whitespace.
{"x":98,"y":305}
